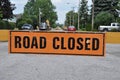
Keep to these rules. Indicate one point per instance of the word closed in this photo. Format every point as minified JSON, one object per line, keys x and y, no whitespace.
{"x":57,"y":43}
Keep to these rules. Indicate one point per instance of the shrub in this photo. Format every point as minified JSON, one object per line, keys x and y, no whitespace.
{"x":20,"y":24}
{"x":88,"y":27}
{"x":12,"y":25}
{"x":7,"y":25}
{"x":29,"y":21}
{"x":114,"y":30}
{"x":2,"y":24}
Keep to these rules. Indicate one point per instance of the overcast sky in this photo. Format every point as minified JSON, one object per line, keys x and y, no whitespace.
{"x":61,"y":7}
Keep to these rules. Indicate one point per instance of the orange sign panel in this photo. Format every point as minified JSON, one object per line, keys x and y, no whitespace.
{"x":69,"y":43}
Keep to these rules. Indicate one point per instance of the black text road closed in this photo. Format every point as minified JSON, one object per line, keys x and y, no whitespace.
{"x":76,"y":43}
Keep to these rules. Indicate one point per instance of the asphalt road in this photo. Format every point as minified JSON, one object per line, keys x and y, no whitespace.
{"x":59,"y":67}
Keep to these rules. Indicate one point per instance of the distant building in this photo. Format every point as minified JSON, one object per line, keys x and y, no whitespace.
{"x":14,"y":19}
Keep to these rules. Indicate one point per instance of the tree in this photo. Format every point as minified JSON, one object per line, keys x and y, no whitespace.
{"x":83,"y":15}
{"x":0,"y":14}
{"x":71,"y":19}
{"x":104,"y":18}
{"x":46,"y":7}
{"x":118,"y":5}
{"x":24,"y":20}
{"x":83,"y":11}
{"x":106,"y":5}
{"x":6,"y":9}
{"x":29,"y":8}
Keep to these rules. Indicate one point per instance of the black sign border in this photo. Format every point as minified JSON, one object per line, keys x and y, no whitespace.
{"x":10,"y":49}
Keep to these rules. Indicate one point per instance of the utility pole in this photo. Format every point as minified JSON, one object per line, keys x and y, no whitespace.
{"x":39,"y":16}
{"x":73,"y":16}
{"x":78,"y":15}
{"x":70,"y":17}
{"x":92,"y":15}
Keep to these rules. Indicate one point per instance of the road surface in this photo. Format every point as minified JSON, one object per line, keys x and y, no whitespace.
{"x":59,"y":67}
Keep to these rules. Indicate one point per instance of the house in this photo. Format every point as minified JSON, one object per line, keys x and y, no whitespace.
{"x":15,"y":18}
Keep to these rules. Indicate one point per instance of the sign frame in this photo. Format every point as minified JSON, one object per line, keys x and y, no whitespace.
{"x":10,"y":43}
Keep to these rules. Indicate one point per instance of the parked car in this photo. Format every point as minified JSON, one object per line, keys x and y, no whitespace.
{"x":115,"y":26}
{"x":71,"y":28}
{"x":27,"y":27}
{"x":43,"y":26}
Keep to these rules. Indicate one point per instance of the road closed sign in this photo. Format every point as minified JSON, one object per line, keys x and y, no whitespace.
{"x":68,"y":43}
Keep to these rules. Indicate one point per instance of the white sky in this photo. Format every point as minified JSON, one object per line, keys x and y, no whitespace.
{"x":61,"y":7}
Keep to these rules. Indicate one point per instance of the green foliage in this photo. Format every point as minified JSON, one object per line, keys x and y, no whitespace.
{"x":118,"y":5}
{"x":88,"y":27}
{"x":6,"y":9}
{"x":118,"y":20}
{"x":47,"y":10}
{"x":34,"y":21}
{"x":68,"y":19}
{"x":106,"y":5}
{"x":0,"y":13}
{"x":12,"y":25}
{"x":114,"y":30}
{"x":54,"y":26}
{"x":84,"y":18}
{"x":103,"y":18}
{"x":83,"y":29}
{"x":6,"y":12}
{"x":83,"y":10}
{"x":2,"y":24}
{"x":20,"y":24}
{"x":71,"y":19}
{"x":7,"y":25}
{"x":29,"y":21}
{"x":25,"y":19}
